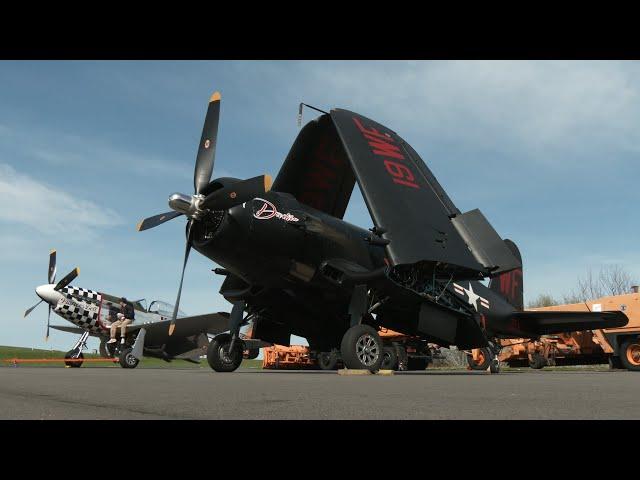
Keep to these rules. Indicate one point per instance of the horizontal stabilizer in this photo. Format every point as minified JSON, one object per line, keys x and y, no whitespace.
{"x":545,"y":323}
{"x":485,"y":243}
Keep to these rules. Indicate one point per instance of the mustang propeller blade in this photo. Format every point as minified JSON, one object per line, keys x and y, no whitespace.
{"x":208,"y":142}
{"x":51,"y":278}
{"x":237,"y":193}
{"x":68,"y":279}
{"x":28,"y":311}
{"x":46,"y":339}
{"x":156,"y":220}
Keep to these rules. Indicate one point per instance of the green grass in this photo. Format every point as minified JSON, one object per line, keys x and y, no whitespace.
{"x":7,"y":353}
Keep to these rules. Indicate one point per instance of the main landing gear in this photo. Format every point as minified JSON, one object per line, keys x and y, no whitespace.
{"x":75,"y":355}
{"x":362,"y":348}
{"x":220,"y":355}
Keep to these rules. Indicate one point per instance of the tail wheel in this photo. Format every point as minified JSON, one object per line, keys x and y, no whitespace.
{"x":630,"y":354}
{"x":482,"y":361}
{"x":73,"y":354}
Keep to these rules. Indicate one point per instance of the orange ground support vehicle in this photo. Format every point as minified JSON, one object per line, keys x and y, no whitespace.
{"x":401,"y":352}
{"x":620,"y":347}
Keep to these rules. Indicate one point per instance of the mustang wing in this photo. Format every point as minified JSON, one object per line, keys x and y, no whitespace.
{"x":72,"y":330}
{"x":157,"y":332}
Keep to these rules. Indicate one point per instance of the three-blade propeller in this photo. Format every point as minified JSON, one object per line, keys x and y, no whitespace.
{"x":51,"y":278}
{"x":223,"y":198}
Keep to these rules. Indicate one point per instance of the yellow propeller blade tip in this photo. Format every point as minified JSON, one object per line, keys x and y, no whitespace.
{"x":172,"y":327}
{"x":215,"y":97}
{"x":267,"y":183}
{"x":52,"y":251}
{"x":77,"y":271}
{"x":139,"y":225}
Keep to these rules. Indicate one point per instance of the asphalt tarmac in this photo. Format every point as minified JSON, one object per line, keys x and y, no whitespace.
{"x":115,"y":393}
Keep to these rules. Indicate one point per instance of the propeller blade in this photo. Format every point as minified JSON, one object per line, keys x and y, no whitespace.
{"x":156,"y":220}
{"x":237,"y":193}
{"x":51,"y":277}
{"x":46,"y":339}
{"x":68,"y":279}
{"x":27,"y":312}
{"x":208,"y":142}
{"x":187,"y":249}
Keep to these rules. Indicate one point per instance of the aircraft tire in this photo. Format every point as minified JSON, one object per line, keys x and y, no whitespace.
{"x":218,"y":354}
{"x":484,"y":359}
{"x":361,"y":348}
{"x":417,"y":364}
{"x":390,"y":359}
{"x":537,"y":361}
{"x":253,"y":353}
{"x":70,"y":354}
{"x":127,"y":360}
{"x":630,"y":354}
{"x":328,"y":360}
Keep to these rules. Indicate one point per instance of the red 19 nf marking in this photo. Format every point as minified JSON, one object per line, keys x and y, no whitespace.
{"x":382,"y":145}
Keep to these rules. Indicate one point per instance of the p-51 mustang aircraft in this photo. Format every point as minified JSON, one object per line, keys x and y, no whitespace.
{"x":89,"y":312}
{"x":296,"y":267}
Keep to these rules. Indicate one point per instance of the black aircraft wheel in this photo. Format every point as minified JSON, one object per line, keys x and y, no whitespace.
{"x":417,"y":363}
{"x":630,"y":354}
{"x":328,"y":360}
{"x":494,"y":366}
{"x":127,"y":360}
{"x":483,"y":360}
{"x":389,"y":359}
{"x":73,"y":354}
{"x":219,"y":357}
{"x":615,"y":363}
{"x":537,"y":361}
{"x":253,"y":353}
{"x":361,"y":348}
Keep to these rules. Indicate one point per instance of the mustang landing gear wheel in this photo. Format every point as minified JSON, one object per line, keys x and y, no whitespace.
{"x":73,"y":354}
{"x":127,"y":360}
{"x":361,"y":348}
{"x":630,"y":354}
{"x":328,"y":360}
{"x":389,"y":359}
{"x":219,"y":357}
{"x":482,"y":361}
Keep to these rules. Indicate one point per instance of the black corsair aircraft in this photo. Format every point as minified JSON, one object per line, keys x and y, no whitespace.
{"x":296,"y":267}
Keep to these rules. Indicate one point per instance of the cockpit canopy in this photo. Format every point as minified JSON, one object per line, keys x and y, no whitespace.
{"x":163,"y":308}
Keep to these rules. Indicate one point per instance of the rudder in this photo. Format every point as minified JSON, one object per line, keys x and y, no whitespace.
{"x":509,"y":284}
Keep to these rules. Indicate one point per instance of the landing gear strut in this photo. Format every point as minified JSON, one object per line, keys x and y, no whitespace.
{"x":76,"y":352}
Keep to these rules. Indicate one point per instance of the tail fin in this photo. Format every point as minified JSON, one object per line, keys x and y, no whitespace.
{"x":509,"y":284}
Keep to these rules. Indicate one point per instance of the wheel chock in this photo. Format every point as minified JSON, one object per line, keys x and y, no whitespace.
{"x":348,"y":371}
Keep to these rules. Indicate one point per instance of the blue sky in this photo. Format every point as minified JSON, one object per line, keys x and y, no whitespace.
{"x":549,"y":151}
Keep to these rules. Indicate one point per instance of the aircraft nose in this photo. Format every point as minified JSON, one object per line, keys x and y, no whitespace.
{"x":47,"y":293}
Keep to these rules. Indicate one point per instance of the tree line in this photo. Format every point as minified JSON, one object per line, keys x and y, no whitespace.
{"x":611,"y":279}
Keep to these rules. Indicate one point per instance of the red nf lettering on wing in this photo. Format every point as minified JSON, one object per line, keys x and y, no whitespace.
{"x":382,"y":145}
